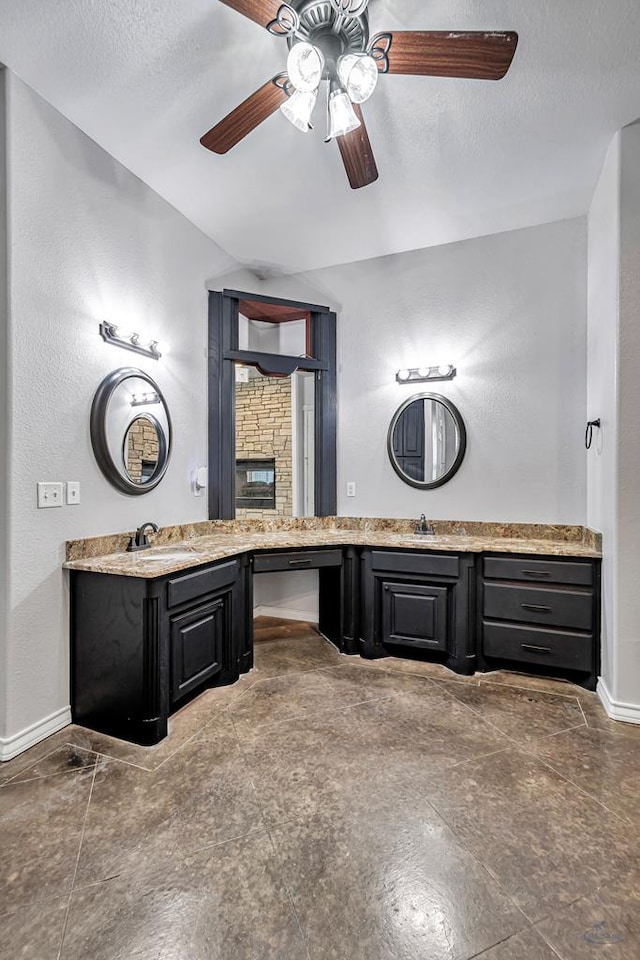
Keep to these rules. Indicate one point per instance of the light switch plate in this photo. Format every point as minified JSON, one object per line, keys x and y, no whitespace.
{"x":49,"y":495}
{"x":351,"y":489}
{"x":73,"y":491}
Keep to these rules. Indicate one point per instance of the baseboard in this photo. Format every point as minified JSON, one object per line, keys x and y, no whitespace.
{"x":19,"y":742}
{"x":625,"y":712}
{"x":286,"y":613}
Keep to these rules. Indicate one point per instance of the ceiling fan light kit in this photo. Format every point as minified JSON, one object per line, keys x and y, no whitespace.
{"x":329,"y":40}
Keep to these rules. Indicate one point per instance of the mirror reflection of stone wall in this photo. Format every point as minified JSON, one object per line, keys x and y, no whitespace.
{"x":274,"y":420}
{"x":142,"y":449}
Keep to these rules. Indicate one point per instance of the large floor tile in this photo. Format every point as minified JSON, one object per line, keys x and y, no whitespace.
{"x":526,"y":945}
{"x":605,"y":924}
{"x":388,"y":883}
{"x":33,"y":931}
{"x":139,"y":819}
{"x":225,"y":902}
{"x":605,"y":765}
{"x":41,"y":824}
{"x":66,"y":758}
{"x":287,"y":654}
{"x":541,"y":836}
{"x":521,"y":714}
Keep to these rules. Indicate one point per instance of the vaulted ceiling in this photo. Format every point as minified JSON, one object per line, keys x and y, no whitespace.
{"x":457,"y":158}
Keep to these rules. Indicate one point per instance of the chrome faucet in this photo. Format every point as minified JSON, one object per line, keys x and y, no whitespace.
{"x":141,"y":540}
{"x":423,"y":529}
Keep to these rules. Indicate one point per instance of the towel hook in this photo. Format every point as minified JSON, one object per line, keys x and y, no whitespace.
{"x":588,"y":436}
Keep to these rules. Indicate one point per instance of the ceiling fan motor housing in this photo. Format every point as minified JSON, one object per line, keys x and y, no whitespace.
{"x":318,"y":25}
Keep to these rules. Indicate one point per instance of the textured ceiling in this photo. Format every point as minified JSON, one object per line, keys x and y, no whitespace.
{"x":457,"y":158}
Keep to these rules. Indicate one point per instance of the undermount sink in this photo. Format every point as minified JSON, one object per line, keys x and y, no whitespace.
{"x":168,"y":556}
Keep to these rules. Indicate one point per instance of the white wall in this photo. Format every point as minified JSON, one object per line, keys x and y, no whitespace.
{"x":627,"y":663}
{"x":602,"y":398}
{"x":510,"y":312}
{"x":4,"y":389}
{"x":88,"y":241}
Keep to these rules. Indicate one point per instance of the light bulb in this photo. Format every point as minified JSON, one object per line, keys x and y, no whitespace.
{"x":342,"y":115}
{"x":444,"y":371}
{"x":423,"y":371}
{"x":403,"y":374}
{"x":305,"y":65}
{"x":359,"y":75}
{"x":299,"y":107}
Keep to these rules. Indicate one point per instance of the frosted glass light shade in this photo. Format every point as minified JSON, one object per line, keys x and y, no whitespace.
{"x":341,"y":114}
{"x":305,"y":65}
{"x":359,"y":75}
{"x":299,"y":107}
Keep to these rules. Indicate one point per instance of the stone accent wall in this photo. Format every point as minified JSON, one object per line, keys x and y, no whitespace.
{"x":142,"y":444}
{"x":263,"y":430}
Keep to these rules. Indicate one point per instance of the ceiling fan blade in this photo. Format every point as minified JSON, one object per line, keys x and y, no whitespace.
{"x":445,"y":53}
{"x":247,"y":116}
{"x":276,"y":15}
{"x":357,"y":155}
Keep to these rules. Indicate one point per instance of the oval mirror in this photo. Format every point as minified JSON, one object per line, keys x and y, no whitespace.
{"x":426,"y":441}
{"x":131,"y":430}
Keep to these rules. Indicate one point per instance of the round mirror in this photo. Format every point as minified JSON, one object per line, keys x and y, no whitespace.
{"x":426,"y":441}
{"x":131,"y":430}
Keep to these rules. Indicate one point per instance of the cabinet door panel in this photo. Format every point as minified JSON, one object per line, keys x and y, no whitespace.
{"x":197,"y":643}
{"x":414,"y":615}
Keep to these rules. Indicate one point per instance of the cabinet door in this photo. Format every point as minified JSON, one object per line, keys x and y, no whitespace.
{"x":197,"y":645}
{"x":414,"y":615}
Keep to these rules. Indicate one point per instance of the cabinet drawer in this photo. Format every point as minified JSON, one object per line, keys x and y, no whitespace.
{"x":552,"y":571}
{"x":552,"y":648}
{"x":429,"y":564}
{"x":192,"y":585}
{"x":557,"y":608}
{"x":296,"y":560}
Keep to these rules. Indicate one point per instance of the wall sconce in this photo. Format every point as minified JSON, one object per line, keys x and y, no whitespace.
{"x":129,"y":341}
{"x":144,"y":400}
{"x":445,"y":371}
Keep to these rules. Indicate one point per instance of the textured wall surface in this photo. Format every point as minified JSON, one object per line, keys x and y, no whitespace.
{"x":88,"y":241}
{"x":510,"y":312}
{"x":602,"y":399}
{"x":627,"y":666}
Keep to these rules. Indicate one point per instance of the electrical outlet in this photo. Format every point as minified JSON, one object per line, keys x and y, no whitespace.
{"x":49,"y":495}
{"x":73,"y":491}
{"x":351,"y":489}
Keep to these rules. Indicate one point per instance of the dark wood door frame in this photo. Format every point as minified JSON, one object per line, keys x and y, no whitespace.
{"x":224,"y":353}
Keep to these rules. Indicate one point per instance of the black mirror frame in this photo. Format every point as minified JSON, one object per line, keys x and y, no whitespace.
{"x":98,"y":432}
{"x":462,"y":433}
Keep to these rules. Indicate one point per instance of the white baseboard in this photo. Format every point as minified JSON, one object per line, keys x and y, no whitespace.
{"x":19,"y":742}
{"x":285,"y":613}
{"x":616,"y":710}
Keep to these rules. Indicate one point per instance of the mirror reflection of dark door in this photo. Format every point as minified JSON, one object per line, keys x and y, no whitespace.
{"x":408,"y":441}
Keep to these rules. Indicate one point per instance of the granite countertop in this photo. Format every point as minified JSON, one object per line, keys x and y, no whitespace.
{"x":229,"y":539}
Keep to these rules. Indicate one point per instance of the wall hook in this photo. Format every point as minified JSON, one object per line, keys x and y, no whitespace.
{"x":588,"y":436}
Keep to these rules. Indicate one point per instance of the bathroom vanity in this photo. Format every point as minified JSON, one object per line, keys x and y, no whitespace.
{"x":150,"y":629}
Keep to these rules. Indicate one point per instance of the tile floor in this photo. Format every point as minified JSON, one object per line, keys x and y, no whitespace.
{"x":330,"y":807}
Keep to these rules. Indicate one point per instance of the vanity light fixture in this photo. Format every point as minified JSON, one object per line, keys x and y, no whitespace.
{"x":145,"y":399}
{"x":445,"y":371}
{"x":111,"y":333}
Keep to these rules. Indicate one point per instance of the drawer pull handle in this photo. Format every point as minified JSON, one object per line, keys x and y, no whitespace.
{"x":298,"y":563}
{"x":536,"y":607}
{"x":532,"y":647}
{"x":536,"y":573}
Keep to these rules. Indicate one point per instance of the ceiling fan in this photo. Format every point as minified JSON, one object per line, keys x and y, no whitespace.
{"x":329,"y":40}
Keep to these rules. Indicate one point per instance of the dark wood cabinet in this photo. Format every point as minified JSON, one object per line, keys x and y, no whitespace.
{"x":139,"y":646}
{"x":540,"y":614}
{"x":419,"y":603}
